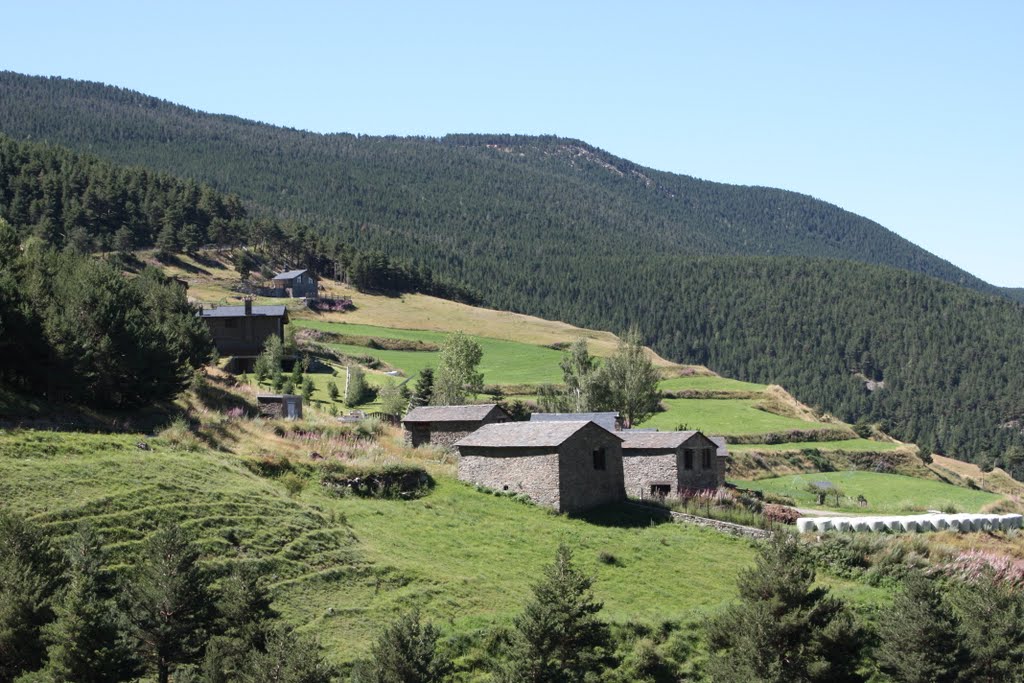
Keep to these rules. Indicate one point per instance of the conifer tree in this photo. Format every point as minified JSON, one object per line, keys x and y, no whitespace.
{"x":29,"y":568}
{"x":406,"y":652}
{"x":558,"y":637}
{"x":289,"y":657}
{"x":784,"y":630}
{"x":166,"y":603}
{"x":424,"y":389}
{"x":919,"y":640}
{"x":84,"y":638}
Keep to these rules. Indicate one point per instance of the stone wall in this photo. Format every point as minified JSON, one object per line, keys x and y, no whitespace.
{"x":643,"y":468}
{"x":533,"y":472}
{"x":700,"y":477}
{"x":582,"y":486}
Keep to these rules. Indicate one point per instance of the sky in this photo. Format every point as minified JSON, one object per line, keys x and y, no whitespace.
{"x":908,"y":113}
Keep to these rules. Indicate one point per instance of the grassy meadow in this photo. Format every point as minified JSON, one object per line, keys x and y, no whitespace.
{"x":727,"y":417}
{"x":885,"y":493}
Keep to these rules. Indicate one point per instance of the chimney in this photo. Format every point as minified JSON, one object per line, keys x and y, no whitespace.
{"x":248,"y":306}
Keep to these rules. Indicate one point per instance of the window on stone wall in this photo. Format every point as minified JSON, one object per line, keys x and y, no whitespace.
{"x":688,"y":459}
{"x":660,"y":490}
{"x":599,"y":459}
{"x":230,"y":323}
{"x":707,"y":459}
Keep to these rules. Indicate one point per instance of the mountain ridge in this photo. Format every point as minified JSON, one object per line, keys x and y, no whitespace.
{"x":673,"y":212}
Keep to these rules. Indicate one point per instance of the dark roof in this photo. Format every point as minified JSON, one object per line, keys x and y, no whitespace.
{"x":289,"y":275}
{"x":450,"y":413}
{"x":723,"y":447}
{"x":544,"y":434}
{"x":239,"y":311}
{"x":606,"y":420}
{"x":668,"y":440}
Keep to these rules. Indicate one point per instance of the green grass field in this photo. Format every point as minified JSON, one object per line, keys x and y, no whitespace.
{"x":342,"y":567}
{"x":851,"y":445}
{"x":724,"y":416}
{"x":504,"y":362}
{"x":704,"y":383}
{"x":884,"y":492}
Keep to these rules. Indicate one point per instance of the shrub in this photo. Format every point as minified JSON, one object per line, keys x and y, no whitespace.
{"x":293,"y":483}
{"x":779,"y":514}
{"x":605,"y":557}
{"x":371,"y":426}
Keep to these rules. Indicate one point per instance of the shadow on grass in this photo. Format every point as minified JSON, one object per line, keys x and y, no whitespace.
{"x":624,"y":516}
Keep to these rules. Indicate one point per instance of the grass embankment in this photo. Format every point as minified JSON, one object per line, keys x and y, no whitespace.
{"x":343,"y":567}
{"x":729,"y":417}
{"x":885,"y":493}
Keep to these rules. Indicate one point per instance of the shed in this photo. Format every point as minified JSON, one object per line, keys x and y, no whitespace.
{"x":610,"y":420}
{"x":660,"y":464}
{"x":565,"y":465}
{"x":280,"y":405}
{"x":444,"y":425}
{"x":242,"y":331}
{"x":295,"y":283}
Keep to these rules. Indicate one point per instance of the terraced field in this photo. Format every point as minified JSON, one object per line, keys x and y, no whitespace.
{"x":889,"y":493}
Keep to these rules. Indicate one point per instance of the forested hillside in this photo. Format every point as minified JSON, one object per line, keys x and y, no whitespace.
{"x":499,"y":196}
{"x":556,"y":228}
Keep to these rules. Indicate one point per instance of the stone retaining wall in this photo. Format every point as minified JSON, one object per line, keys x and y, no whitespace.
{"x":717,"y":525}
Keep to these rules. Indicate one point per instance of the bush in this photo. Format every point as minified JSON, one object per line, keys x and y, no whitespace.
{"x":293,"y":483}
{"x":180,"y":437}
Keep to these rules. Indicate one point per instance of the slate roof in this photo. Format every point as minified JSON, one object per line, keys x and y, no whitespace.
{"x":543,"y":434}
{"x":289,"y":275}
{"x":449,"y":413}
{"x":670,"y":440}
{"x":239,"y":311}
{"x":723,"y":447}
{"x":606,"y":420}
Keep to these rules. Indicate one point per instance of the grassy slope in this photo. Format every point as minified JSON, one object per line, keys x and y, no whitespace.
{"x":851,"y":445}
{"x":884,"y":492}
{"x":725,"y":416}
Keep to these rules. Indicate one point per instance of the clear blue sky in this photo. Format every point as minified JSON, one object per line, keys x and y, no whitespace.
{"x":909,"y":113}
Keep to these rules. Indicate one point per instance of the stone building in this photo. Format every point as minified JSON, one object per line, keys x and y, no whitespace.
{"x":568,"y":466}
{"x":295,"y":284}
{"x":241,"y":331}
{"x":288,"y":406}
{"x":444,"y":425}
{"x":610,"y":421}
{"x":660,"y":464}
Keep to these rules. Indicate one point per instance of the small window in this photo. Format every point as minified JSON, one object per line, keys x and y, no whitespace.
{"x":230,"y":323}
{"x":707,"y":459}
{"x":688,"y":459}
{"x":660,"y":490}
{"x":599,"y":459}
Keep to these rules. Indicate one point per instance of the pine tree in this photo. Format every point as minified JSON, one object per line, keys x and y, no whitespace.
{"x":784,"y":630}
{"x":406,"y":652}
{"x":307,"y":390}
{"x":332,"y":390}
{"x":166,"y":603}
{"x":289,"y":657}
{"x":919,"y":641}
{"x":558,"y":637}
{"x":991,"y":613}
{"x":29,"y":571}
{"x":424,"y":390}
{"x":84,"y":639}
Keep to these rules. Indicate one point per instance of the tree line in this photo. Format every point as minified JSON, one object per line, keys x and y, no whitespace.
{"x":66,"y":616}
{"x":74,"y":328}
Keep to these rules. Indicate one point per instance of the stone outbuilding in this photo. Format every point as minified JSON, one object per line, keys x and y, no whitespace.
{"x":288,"y":406}
{"x":565,"y":465}
{"x":610,"y":421}
{"x":444,"y":425}
{"x":661,"y":464}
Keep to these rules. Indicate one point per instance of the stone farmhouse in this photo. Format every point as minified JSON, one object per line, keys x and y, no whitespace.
{"x":610,"y":421}
{"x":295,"y":284}
{"x":241,"y":331}
{"x":565,"y":465}
{"x":444,"y":425}
{"x":661,"y":464}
